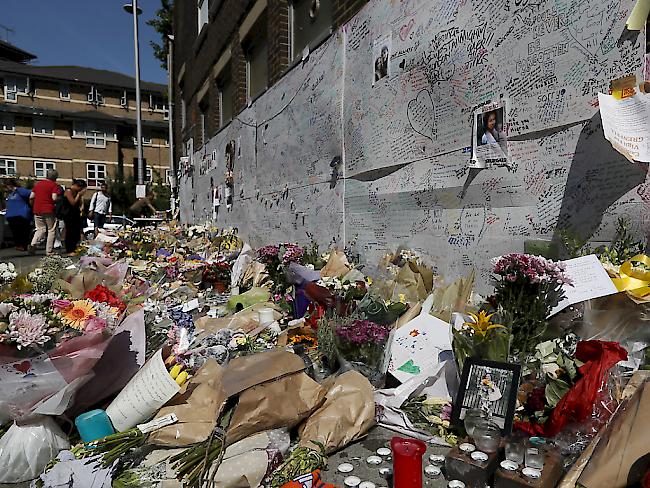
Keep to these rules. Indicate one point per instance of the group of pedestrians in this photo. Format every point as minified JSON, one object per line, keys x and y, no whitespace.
{"x":48,"y":204}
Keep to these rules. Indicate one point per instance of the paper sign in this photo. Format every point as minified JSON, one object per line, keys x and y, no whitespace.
{"x":143,"y":396}
{"x":417,"y":345}
{"x":140,"y":191}
{"x":590,"y":280}
{"x":191,"y":305}
{"x":626,"y":124}
{"x":156,"y":424}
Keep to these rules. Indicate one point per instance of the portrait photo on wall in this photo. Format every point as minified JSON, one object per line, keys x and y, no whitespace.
{"x":490,"y":141}
{"x":381,"y":50}
{"x":489,"y":386}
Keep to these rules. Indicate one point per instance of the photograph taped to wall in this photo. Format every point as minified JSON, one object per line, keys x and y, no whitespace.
{"x":381,"y":50}
{"x":489,"y":141}
{"x":488,"y":385}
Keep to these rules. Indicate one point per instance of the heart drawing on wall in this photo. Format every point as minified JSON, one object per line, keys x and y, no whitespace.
{"x":421,"y":114}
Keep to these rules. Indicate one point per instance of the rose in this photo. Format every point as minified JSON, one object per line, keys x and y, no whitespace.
{"x":95,"y":324}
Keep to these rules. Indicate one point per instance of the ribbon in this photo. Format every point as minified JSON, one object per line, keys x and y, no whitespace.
{"x":634,"y":281}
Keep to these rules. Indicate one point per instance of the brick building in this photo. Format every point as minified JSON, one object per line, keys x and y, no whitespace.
{"x":228,"y":52}
{"x":80,"y":121}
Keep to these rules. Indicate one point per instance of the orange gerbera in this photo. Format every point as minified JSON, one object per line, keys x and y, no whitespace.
{"x":78,"y":314}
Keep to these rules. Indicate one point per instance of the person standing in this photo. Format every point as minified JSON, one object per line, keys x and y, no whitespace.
{"x":43,"y":199}
{"x":72,"y":209}
{"x":19,"y":213}
{"x":100,"y":206}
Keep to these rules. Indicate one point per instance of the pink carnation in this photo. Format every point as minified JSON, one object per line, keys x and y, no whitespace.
{"x":95,"y":324}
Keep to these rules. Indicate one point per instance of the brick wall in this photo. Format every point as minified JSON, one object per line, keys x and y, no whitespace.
{"x":278,"y":36}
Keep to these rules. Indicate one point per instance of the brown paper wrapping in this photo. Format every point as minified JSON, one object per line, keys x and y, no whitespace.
{"x":255,"y":274}
{"x":248,"y":371}
{"x":412,"y":312}
{"x":452,"y":298}
{"x":409,"y":282}
{"x":245,"y":320}
{"x":347,"y":414}
{"x":197,"y":409}
{"x":621,"y":457}
{"x":337,"y":265}
{"x":284,"y":402}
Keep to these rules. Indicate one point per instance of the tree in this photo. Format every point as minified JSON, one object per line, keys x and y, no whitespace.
{"x":163,"y":24}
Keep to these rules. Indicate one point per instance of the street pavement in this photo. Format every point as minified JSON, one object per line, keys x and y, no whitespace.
{"x":23,"y":262}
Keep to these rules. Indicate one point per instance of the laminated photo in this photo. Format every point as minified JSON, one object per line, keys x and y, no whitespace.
{"x":381,"y":58}
{"x":490,"y":141}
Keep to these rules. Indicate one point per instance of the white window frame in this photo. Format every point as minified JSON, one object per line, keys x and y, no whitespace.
{"x":168,"y":176}
{"x":41,"y":168}
{"x":63,"y":88}
{"x":44,"y":130}
{"x":7,"y":167}
{"x":148,"y":175}
{"x":203,"y":14}
{"x":95,"y":138}
{"x":124,"y":100}
{"x":95,"y":169}
{"x":95,"y":96}
{"x":7,"y":123}
{"x":12,"y":86}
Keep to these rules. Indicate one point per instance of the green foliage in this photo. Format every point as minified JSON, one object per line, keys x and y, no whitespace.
{"x":122,"y":193}
{"x":163,"y":25}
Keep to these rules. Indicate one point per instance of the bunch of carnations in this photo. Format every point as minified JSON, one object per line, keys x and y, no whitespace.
{"x":361,"y":345}
{"x":7,"y":273}
{"x":527,"y":288}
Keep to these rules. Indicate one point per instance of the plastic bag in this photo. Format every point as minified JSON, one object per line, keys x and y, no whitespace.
{"x":251,"y":297}
{"x":26,"y":449}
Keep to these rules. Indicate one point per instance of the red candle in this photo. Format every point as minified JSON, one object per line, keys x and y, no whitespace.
{"x":407,"y":462}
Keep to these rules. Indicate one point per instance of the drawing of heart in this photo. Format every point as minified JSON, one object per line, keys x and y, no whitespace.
{"x":23,"y":367}
{"x":421,"y":114}
{"x":409,"y":367}
{"x":404,"y":31}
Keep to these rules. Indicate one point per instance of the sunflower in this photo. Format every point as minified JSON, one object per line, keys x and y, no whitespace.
{"x":78,"y":314}
{"x":481,"y":323}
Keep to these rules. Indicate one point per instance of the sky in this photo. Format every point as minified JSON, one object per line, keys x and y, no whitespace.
{"x":92,"y":33}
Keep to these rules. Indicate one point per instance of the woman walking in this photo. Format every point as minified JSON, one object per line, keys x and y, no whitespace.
{"x":19,"y":213}
{"x":72,"y":207}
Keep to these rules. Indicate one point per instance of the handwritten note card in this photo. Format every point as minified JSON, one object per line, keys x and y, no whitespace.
{"x":143,"y":396}
{"x":626,"y":124}
{"x":590,"y":280}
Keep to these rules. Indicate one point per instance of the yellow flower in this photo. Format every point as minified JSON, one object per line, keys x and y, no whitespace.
{"x":402,"y":298}
{"x":481,"y":323}
{"x":369,"y":280}
{"x":78,"y":314}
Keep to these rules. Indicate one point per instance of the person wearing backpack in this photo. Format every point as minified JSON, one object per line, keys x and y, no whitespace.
{"x":100,"y":206}
{"x":70,"y":211}
{"x":42,"y":199}
{"x":19,"y":213}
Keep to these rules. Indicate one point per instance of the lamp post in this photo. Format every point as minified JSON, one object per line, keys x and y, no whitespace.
{"x":170,"y":113}
{"x":133,"y":9}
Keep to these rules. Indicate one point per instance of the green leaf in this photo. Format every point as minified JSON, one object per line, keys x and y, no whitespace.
{"x":555,"y":390}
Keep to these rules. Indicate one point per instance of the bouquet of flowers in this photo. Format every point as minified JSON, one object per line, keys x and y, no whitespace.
{"x":432,"y":415}
{"x":526,"y":290}
{"x":216,"y":275}
{"x":361,"y":345}
{"x":275,"y":258}
{"x":480,"y":337}
{"x":44,"y":276}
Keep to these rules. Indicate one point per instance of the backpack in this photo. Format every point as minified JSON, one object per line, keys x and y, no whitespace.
{"x":62,"y":208}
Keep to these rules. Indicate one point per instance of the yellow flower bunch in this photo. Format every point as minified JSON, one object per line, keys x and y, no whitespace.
{"x":481,"y":323}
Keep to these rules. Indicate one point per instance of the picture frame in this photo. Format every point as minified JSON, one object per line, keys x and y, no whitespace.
{"x":499,"y":389}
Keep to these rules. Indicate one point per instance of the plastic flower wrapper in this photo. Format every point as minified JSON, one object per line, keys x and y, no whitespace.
{"x":479,"y":337}
{"x":377,"y":310}
{"x":361,"y":346}
{"x":433,"y":415}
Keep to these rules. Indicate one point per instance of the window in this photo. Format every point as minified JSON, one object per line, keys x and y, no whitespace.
{"x":183,"y":112}
{"x":310,"y":21}
{"x":124,"y":101}
{"x":157,"y":102}
{"x":7,"y":122}
{"x":95,"y":135}
{"x":7,"y":167}
{"x":202,"y":7}
{"x":226,"y":97}
{"x":168,"y":176}
{"x":41,"y":168}
{"x":64,"y":92}
{"x":95,"y":138}
{"x":13,"y":86}
{"x":147,"y":175}
{"x":146,"y":140}
{"x":257,"y":60}
{"x":95,"y":173}
{"x":95,"y":96}
{"x":166,"y":113}
{"x":43,"y":126}
{"x":204,"y":109}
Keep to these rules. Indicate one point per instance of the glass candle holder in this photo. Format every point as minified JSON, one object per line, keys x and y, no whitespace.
{"x":472,"y":417}
{"x":487,"y":436}
{"x":534,"y":457}
{"x":515,"y":451}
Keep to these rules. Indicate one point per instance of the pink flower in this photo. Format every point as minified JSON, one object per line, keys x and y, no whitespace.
{"x":95,"y":324}
{"x":6,"y":308}
{"x":28,"y":330}
{"x":59,"y":305}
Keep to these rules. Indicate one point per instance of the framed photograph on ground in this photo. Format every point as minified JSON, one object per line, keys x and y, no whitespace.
{"x":488,"y":385}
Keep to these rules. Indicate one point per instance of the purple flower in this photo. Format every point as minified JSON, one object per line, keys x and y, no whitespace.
{"x":59,"y":305}
{"x":163,"y":252}
{"x":361,"y":332}
{"x":532,"y":269}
